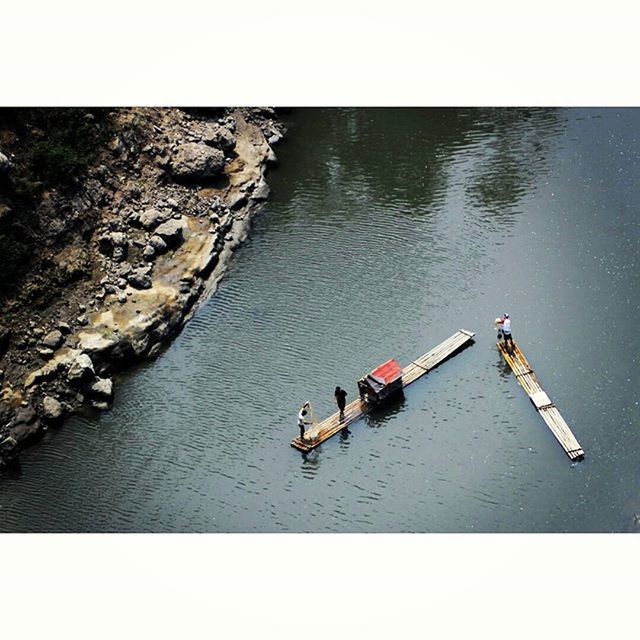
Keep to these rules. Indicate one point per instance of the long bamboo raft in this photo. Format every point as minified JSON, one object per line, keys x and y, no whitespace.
{"x":541,"y":401}
{"x":322,"y":431}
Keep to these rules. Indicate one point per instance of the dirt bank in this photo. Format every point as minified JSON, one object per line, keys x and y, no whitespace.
{"x":125,"y":256}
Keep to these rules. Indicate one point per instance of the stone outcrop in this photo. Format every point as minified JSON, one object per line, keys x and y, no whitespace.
{"x":171,"y":232}
{"x":194,"y":161}
{"x":163,"y":239}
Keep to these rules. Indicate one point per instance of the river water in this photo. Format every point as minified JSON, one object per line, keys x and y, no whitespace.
{"x":388,"y":230}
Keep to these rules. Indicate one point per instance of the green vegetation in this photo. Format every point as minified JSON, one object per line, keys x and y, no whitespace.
{"x":52,"y":147}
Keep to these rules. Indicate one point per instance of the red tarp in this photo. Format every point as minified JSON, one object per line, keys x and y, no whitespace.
{"x":387,"y":372}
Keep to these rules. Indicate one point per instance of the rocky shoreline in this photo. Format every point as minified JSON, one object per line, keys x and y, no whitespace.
{"x":145,"y":238}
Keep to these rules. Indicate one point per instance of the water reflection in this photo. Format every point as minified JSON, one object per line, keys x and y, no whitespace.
{"x":344,"y":437}
{"x":310,"y":462}
{"x":503,"y":152}
{"x":513,"y":159}
{"x":503,"y":367}
{"x":384,"y":412}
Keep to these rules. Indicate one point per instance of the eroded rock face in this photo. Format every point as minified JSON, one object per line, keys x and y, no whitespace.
{"x":195,"y":161}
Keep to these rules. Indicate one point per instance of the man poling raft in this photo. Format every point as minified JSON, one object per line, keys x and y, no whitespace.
{"x":504,"y":331}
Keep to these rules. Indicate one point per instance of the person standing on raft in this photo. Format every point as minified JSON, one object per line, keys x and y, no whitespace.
{"x":504,"y":326}
{"x":302,"y":414}
{"x":341,"y":400}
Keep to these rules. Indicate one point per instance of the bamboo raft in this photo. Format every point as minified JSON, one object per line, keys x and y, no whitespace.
{"x":322,"y":431}
{"x":541,"y":401}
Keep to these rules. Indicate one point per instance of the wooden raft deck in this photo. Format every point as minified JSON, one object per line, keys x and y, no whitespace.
{"x":322,"y":431}
{"x":541,"y":401}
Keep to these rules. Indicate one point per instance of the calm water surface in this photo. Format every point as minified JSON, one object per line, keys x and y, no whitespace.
{"x":387,"y":231}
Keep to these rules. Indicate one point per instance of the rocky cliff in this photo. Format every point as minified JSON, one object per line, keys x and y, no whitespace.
{"x":107,"y":253}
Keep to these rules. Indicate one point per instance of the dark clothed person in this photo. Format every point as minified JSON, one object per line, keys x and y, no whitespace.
{"x":341,"y":400}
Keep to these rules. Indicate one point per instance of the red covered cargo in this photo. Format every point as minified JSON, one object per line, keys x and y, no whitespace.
{"x":383,"y":381}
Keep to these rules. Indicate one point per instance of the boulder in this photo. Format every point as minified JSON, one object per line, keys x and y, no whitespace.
{"x":151,"y":218}
{"x":24,"y":433}
{"x":219,"y":136}
{"x":81,"y":369}
{"x":115,"y":245}
{"x":272,"y":158}
{"x":118,"y":239}
{"x":273,"y":136}
{"x":139,"y":279}
{"x":25,"y":415}
{"x":102,"y":388}
{"x":195,"y":161}
{"x":158,"y":244}
{"x":236,"y":200}
{"x":53,"y":339}
{"x":45,"y":352}
{"x":171,"y":232}
{"x":64,"y":327}
{"x":8,"y":446}
{"x":5,"y":163}
{"x":95,"y":341}
{"x":120,"y":246}
{"x":261,"y":192}
{"x":125,"y":270}
{"x":105,"y":247}
{"x":51,"y":408}
{"x":148,"y":253}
